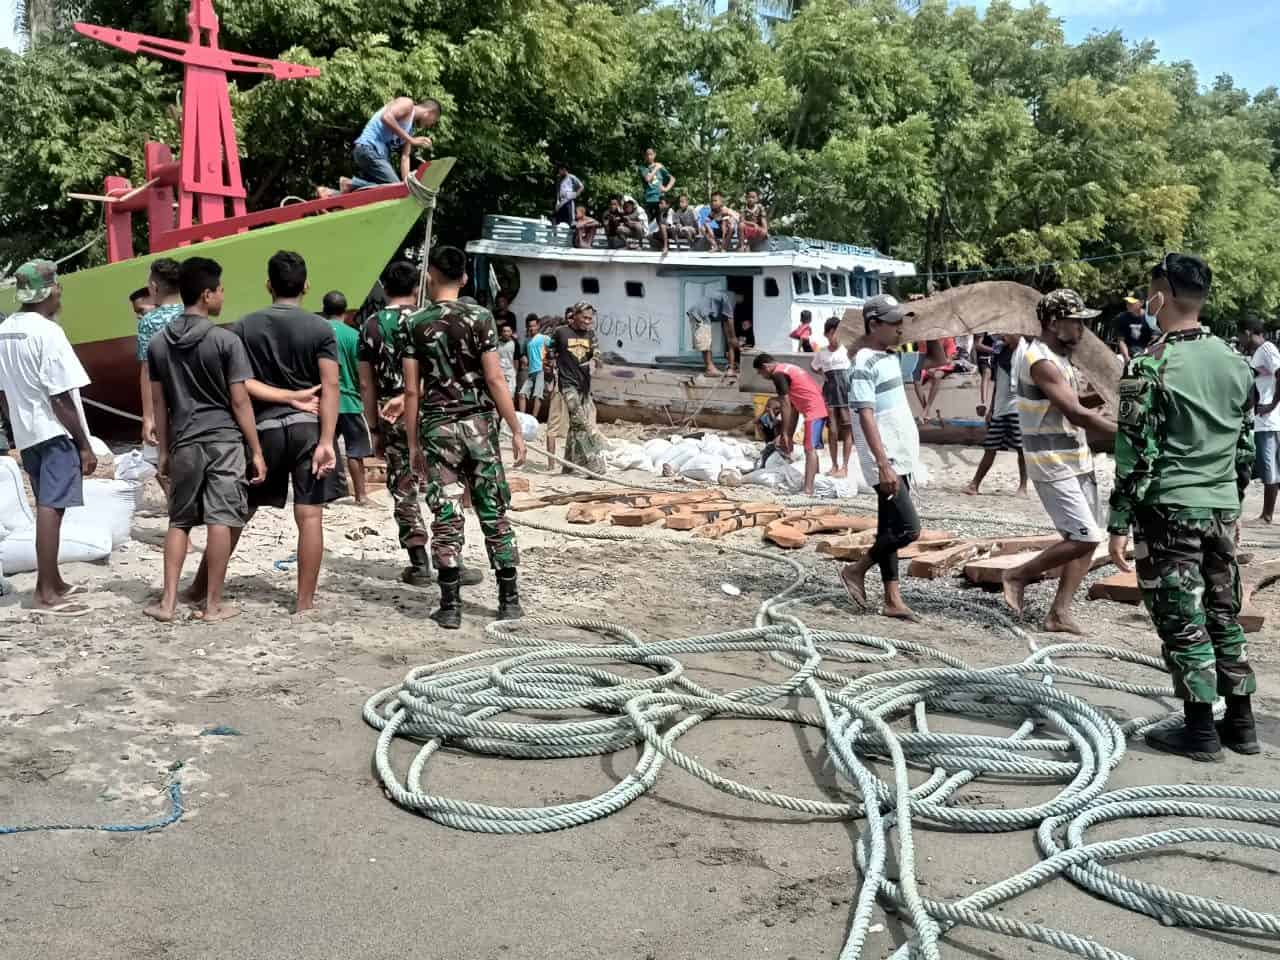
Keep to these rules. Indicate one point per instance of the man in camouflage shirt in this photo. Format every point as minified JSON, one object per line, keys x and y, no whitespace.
{"x":1183,"y":459}
{"x":453,"y":385}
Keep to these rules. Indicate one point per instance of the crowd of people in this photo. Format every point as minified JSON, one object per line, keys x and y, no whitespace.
{"x":247,"y":415}
{"x":1186,"y":446}
{"x":655,"y":221}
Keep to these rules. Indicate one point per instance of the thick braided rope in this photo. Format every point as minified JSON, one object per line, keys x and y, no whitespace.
{"x":1059,"y":738}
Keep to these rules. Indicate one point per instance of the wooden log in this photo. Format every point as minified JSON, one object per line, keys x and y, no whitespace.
{"x":943,"y":563}
{"x":636,"y":518}
{"x":561,"y":499}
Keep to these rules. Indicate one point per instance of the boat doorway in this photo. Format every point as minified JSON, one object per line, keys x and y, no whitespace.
{"x":744,"y":315}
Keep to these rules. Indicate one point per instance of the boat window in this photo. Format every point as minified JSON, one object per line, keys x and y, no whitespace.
{"x":856,"y":287}
{"x":838,"y":288}
{"x":770,"y":287}
{"x":819,"y":284}
{"x":800,"y":281}
{"x":590,"y":285}
{"x":873,"y":286}
{"x":547,"y":283}
{"x":635,"y":288}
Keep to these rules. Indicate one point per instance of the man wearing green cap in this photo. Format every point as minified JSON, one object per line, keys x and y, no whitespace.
{"x":41,"y":378}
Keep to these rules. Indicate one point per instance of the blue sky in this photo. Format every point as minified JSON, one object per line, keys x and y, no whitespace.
{"x":1227,"y":36}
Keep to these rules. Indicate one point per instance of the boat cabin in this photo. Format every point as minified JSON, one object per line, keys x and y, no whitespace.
{"x":643,"y":297}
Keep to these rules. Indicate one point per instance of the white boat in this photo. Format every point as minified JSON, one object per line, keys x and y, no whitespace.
{"x":651,"y":372}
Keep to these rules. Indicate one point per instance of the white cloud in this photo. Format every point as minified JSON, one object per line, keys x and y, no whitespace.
{"x":8,"y":16}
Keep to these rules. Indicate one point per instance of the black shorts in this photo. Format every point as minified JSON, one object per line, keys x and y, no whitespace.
{"x":355,"y":435}
{"x":208,"y":485}
{"x":288,"y":446}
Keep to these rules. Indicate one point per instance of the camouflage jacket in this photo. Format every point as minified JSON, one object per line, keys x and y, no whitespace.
{"x":382,"y":340}
{"x":1185,"y":428}
{"x":448,"y":339}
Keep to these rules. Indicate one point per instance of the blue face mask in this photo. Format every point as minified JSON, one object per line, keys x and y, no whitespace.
{"x":1153,"y":320}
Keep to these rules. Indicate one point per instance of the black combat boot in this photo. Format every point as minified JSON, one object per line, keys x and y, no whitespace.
{"x":509,"y":595}
{"x":418,"y":573}
{"x":1196,"y":738}
{"x":449,"y":615}
{"x":1236,"y":729}
{"x":470,"y":577}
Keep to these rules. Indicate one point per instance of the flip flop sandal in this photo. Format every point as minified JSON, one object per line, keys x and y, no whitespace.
{"x":77,"y":590}
{"x":62,"y":610}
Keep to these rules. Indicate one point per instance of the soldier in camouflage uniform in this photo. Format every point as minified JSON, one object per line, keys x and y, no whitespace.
{"x":454,"y":393}
{"x":1183,"y":459}
{"x":382,"y":340}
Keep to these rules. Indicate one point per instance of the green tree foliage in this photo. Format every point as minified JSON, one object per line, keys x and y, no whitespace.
{"x":975,"y":145}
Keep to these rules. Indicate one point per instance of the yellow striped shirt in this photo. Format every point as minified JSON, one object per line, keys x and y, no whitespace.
{"x":1055,"y":449}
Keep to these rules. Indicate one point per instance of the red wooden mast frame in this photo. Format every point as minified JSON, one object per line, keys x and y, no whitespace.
{"x":207,"y":181}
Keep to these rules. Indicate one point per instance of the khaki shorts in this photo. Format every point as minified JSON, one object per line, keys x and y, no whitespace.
{"x":558,"y":416}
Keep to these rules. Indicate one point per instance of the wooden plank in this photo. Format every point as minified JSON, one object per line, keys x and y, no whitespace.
{"x":838,"y":550}
{"x":1002,"y":548}
{"x":592,"y":512}
{"x":852,"y":547}
{"x":636,"y":518}
{"x":561,"y":499}
{"x":692,"y":496}
{"x":991,"y":571}
{"x":518,"y":484}
{"x":1123,"y":588}
{"x":943,"y":563}
{"x":721,"y":528}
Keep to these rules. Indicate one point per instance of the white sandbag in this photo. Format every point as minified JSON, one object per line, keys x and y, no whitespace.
{"x":528,"y":426}
{"x":703,"y":466}
{"x":629,"y":456}
{"x":656,"y":446}
{"x":100,"y":450}
{"x":682,"y":453}
{"x":136,"y":466}
{"x":109,"y":503}
{"x":713,"y":446}
{"x":15,"y":511}
{"x":81,"y":543}
{"x":777,"y":476}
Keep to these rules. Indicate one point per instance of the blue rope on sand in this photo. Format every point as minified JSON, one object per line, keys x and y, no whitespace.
{"x":173,"y":816}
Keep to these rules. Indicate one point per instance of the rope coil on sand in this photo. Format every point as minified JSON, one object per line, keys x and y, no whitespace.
{"x":1059,"y":738}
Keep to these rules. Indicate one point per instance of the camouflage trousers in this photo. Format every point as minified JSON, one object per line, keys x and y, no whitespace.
{"x":582,"y":446}
{"x":1190,"y":582}
{"x":403,"y":486}
{"x":464,"y":454}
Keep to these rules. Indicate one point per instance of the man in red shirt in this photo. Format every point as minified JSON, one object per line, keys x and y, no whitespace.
{"x":801,"y":397}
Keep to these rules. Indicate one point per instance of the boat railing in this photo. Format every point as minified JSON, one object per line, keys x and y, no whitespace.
{"x":542,"y":233}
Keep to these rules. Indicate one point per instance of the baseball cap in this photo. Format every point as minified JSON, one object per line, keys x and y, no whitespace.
{"x":879,"y":307}
{"x":35,"y":280}
{"x":1064,"y":305}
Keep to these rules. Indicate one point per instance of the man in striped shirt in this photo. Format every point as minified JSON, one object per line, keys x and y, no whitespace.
{"x":1056,"y":448}
{"x":889,"y":454}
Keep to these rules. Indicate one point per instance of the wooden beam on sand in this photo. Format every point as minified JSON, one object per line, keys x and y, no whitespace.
{"x":641,"y":517}
{"x":1123,"y":588}
{"x":990,"y":572}
{"x":855,"y":547}
{"x":721,"y":528}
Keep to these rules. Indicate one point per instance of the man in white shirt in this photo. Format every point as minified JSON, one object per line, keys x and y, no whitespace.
{"x":41,"y":378}
{"x":568,"y":189}
{"x":1264,"y":358}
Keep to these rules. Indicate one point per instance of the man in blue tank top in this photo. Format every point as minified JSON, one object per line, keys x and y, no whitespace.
{"x":389,"y":130}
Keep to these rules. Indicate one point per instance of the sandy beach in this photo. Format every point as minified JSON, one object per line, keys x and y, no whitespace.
{"x":288,"y":847}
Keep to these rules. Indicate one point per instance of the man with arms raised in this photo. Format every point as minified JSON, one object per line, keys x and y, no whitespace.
{"x":454,"y":393}
{"x":1056,"y":450}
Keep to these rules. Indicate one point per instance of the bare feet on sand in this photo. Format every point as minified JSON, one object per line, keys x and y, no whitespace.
{"x":854,"y":580}
{"x":158,"y":611}
{"x":1013,"y":591}
{"x":224,"y":611}
{"x":901,"y":613}
{"x":1061,"y":623}
{"x":970,"y":491}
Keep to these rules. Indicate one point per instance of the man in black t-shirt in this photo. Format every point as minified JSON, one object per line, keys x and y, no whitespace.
{"x":573,"y":413}
{"x":1130,"y":329}
{"x":292,"y":349}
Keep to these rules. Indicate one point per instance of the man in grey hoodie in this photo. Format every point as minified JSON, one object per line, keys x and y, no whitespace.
{"x":201,"y":382}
